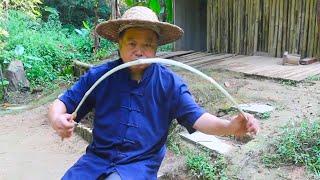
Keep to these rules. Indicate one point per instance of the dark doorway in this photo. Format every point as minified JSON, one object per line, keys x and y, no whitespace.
{"x":191,"y":16}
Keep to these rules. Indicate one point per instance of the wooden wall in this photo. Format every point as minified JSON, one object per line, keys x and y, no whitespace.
{"x":272,"y":26}
{"x":190,"y":15}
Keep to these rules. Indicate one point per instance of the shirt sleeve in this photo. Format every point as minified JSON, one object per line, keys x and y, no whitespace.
{"x":72,"y":97}
{"x":187,"y":111}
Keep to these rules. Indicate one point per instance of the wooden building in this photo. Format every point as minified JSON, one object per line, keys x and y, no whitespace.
{"x":249,"y":26}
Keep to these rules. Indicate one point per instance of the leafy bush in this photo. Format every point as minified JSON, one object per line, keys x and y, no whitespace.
{"x":299,"y":145}
{"x":75,"y":12}
{"x":46,"y":48}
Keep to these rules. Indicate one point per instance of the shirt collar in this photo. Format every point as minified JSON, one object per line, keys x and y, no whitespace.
{"x":146,"y":74}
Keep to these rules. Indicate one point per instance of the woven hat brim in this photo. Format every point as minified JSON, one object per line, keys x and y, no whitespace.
{"x":110,"y":29}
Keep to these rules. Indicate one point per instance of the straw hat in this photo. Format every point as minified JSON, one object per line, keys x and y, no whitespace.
{"x":139,"y":16}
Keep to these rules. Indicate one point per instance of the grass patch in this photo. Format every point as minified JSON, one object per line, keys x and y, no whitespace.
{"x":203,"y":166}
{"x":298,"y":145}
{"x":265,"y":115}
{"x":200,"y":162}
{"x":289,"y":82}
{"x":314,"y":78}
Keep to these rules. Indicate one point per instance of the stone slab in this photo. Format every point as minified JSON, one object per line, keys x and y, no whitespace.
{"x":209,"y":141}
{"x":256,"y":108}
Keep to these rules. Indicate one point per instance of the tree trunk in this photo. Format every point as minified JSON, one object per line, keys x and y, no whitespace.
{"x":115,"y":11}
{"x":95,"y":35}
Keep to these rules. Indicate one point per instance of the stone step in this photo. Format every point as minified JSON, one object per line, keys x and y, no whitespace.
{"x":212,"y":142}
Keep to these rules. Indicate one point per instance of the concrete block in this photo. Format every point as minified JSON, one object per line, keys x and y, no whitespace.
{"x":209,"y":141}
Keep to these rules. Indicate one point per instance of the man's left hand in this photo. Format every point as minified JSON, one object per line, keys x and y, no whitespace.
{"x":241,"y":125}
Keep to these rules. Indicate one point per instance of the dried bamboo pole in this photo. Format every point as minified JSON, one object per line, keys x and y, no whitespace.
{"x":249,"y":34}
{"x":209,"y":25}
{"x":276,"y":25}
{"x":317,"y":32}
{"x":284,"y":26}
{"x":266,"y":27}
{"x":238,"y":27}
{"x":215,"y":16}
{"x":298,"y":32}
{"x":292,"y":26}
{"x":247,"y":29}
{"x":233,"y":26}
{"x":219,"y":26}
{"x":279,"y":42}
{"x":271,"y":26}
{"x":252,"y":18}
{"x":302,"y":30}
{"x":311,"y":27}
{"x":306,"y":28}
{"x":225,"y":23}
{"x":256,"y":26}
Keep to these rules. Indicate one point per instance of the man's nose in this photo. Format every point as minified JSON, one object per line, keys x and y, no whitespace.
{"x":139,"y":52}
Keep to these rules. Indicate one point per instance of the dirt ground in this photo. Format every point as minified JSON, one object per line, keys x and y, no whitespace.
{"x":292,"y":103}
{"x":30,"y":149}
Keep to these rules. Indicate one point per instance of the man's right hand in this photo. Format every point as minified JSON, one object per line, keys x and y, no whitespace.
{"x":60,"y":120}
{"x":64,"y":125}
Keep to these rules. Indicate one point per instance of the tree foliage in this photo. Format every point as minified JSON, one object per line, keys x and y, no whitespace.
{"x":163,"y":8}
{"x":74,"y":12}
{"x":28,"y":6}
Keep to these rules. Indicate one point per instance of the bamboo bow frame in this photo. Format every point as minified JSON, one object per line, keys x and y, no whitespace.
{"x":162,"y":61}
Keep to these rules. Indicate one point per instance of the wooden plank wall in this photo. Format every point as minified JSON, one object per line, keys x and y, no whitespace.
{"x":190,"y":15}
{"x":272,"y":26}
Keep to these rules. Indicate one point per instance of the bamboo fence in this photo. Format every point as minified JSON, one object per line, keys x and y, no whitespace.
{"x":271,"y":26}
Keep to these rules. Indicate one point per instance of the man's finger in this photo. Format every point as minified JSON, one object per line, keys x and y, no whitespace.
{"x":70,"y":130}
{"x":68,"y":124}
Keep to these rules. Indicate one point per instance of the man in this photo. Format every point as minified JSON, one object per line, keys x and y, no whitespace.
{"x":134,"y":107}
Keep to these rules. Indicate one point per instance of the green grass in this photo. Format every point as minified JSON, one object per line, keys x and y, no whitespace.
{"x":314,"y":78}
{"x":265,"y":115}
{"x":202,"y":166}
{"x":199,"y":161}
{"x":298,"y":145}
{"x":289,"y":82}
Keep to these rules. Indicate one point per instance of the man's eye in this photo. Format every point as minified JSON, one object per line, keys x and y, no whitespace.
{"x":132,"y":44}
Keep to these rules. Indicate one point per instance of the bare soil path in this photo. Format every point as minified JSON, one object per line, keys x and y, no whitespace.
{"x":30,"y":149}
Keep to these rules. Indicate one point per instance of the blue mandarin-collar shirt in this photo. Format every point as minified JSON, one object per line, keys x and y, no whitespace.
{"x":131,"y":120}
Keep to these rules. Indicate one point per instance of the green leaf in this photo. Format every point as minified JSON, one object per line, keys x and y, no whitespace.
{"x":19,"y":50}
{"x":169,"y":8}
{"x":86,"y":25}
{"x":162,"y":10}
{"x":33,"y":58}
{"x":155,"y":6}
{"x":51,"y":10}
{"x":4,"y":83}
{"x":129,"y":2}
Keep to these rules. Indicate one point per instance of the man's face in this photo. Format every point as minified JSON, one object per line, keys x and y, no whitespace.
{"x":137,"y":43}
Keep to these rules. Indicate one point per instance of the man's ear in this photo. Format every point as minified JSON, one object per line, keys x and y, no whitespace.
{"x":120,"y":43}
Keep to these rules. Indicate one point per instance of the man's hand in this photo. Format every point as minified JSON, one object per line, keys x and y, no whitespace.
{"x":64,"y":125}
{"x":240,"y":125}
